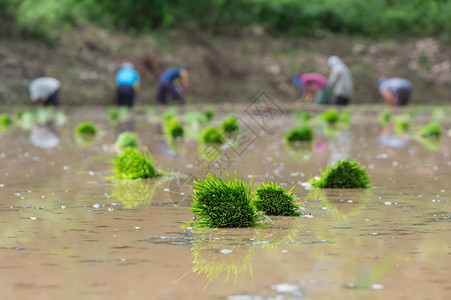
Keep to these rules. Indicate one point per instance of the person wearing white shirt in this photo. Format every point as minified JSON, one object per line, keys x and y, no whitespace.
{"x":341,"y":80}
{"x":45,"y":90}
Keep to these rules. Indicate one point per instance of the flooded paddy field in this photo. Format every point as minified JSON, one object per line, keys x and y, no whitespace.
{"x":68,"y":231}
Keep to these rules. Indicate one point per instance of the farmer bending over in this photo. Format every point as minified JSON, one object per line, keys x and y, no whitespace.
{"x":309,"y":84}
{"x":174,"y":82}
{"x":44,"y":90}
{"x":396,"y":91}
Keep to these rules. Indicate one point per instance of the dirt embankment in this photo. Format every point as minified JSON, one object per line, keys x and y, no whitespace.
{"x":233,"y":69}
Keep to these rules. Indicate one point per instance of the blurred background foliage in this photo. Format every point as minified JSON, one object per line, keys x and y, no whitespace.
{"x":44,"y":18}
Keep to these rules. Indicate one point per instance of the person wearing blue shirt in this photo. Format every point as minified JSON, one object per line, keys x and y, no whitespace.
{"x":127,"y":81}
{"x":173,"y":82}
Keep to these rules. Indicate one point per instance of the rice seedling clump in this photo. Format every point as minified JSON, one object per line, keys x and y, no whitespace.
{"x":274,"y":201}
{"x":220,"y":204}
{"x":230,"y":124}
{"x":209,"y":114}
{"x":432,"y":129}
{"x":211,"y":135}
{"x":344,"y":174}
{"x":385,"y":117}
{"x":127,"y":140}
{"x":401,"y":126}
{"x":300,"y":133}
{"x":131,"y":164}
{"x":86,"y":128}
{"x":173,"y":128}
{"x":330,"y":116}
{"x":5,"y":122}
{"x":302,"y":115}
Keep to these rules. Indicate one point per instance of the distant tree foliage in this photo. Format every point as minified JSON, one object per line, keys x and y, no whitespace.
{"x":294,"y":17}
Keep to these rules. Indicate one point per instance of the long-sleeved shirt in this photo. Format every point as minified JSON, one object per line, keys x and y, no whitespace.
{"x":394,"y":84}
{"x":43,"y":87}
{"x":340,"y":78}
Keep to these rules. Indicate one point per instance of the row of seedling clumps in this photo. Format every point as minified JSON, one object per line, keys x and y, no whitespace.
{"x":27,"y":119}
{"x":217,"y":203}
{"x":330,"y":119}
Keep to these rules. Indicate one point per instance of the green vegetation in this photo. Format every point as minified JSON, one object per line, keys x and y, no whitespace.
{"x":209,"y":114}
{"x":117,"y":115}
{"x":85,"y":128}
{"x":330,"y":116}
{"x":432,"y":129}
{"x":344,"y":174}
{"x":127,"y":140}
{"x":385,"y":117}
{"x":44,"y":18}
{"x":220,"y":204}
{"x":211,"y":135}
{"x":274,"y":201}
{"x":173,"y":128}
{"x":169,"y":114}
{"x":26,"y":120}
{"x":302,"y":115}
{"x":194,"y":117}
{"x":60,"y":118}
{"x":5,"y":122}
{"x":300,"y":133}
{"x":401,"y":126}
{"x":230,"y":125}
{"x":44,"y":115}
{"x":131,"y":164}
{"x":345,"y":117}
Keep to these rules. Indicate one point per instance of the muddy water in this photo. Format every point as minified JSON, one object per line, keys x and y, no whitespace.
{"x":66,"y":232}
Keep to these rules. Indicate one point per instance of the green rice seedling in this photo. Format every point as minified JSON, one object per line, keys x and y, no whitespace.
{"x":300,"y":133}
{"x":210,"y":152}
{"x":211,"y":135}
{"x":432,"y":129}
{"x":27,"y":120}
{"x":44,"y":115}
{"x":220,"y":204}
{"x":385,"y":117}
{"x":19,"y":115}
{"x":230,"y":125}
{"x":194,"y":117}
{"x":131,"y":164}
{"x":345,"y":117}
{"x":401,"y":126}
{"x":60,"y":118}
{"x":168,"y":114}
{"x":126,"y":140}
{"x":113,"y":115}
{"x":5,"y":122}
{"x":344,"y":174}
{"x":209,"y":114}
{"x":85,"y":133}
{"x":173,"y":128}
{"x":272,"y":200}
{"x":330,"y":116}
{"x":302,"y":115}
{"x":438,"y":114}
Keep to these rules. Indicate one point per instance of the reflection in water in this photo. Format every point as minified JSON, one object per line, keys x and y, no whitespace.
{"x":430,"y":143}
{"x":344,"y":203}
{"x":45,"y":136}
{"x":301,"y":150}
{"x":210,"y":152}
{"x":340,"y":146}
{"x":168,"y":147}
{"x":394,"y":141}
{"x":131,"y":193}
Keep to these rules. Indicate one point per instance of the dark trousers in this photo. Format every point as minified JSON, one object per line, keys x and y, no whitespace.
{"x":53,"y":99}
{"x":340,"y":100}
{"x":125,"y":95}
{"x":403,"y":96}
{"x":165,"y":88}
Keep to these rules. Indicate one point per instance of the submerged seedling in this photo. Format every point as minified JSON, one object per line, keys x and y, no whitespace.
{"x":344,"y":174}
{"x":230,"y":125}
{"x":300,"y":133}
{"x":173,"y":128}
{"x":5,"y":122}
{"x":209,"y":114}
{"x":211,"y":135}
{"x":127,"y":140}
{"x":222,"y":204}
{"x":85,"y":133}
{"x":432,"y":129}
{"x":131,"y":164}
{"x":330,"y":116}
{"x":272,"y":200}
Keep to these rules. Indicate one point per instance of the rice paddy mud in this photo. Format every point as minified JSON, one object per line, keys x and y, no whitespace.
{"x":69,"y":230}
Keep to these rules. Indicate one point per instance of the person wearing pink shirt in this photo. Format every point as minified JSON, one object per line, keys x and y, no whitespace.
{"x":309,"y":84}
